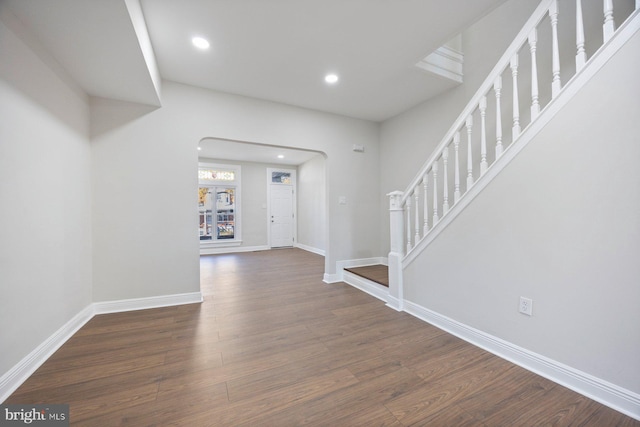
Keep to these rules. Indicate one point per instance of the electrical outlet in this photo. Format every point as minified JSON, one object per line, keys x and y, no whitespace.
{"x":526,"y":306}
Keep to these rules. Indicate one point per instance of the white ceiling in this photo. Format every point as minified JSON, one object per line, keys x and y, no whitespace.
{"x":211,"y":148}
{"x":277,"y":50}
{"x":280,"y":50}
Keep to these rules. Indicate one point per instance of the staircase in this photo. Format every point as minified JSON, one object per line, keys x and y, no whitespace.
{"x":548,"y":62}
{"x":550,"y":139}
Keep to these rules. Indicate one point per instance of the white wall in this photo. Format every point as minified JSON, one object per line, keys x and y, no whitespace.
{"x":559,"y":225}
{"x":45,"y":218}
{"x":312,"y":204}
{"x":139,"y":153}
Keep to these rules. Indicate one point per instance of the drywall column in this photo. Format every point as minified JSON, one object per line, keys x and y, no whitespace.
{"x":395,"y":255}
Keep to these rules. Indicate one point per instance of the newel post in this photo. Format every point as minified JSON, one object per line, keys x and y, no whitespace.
{"x":396,"y":216}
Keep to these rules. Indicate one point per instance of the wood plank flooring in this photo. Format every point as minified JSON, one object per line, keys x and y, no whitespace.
{"x":377,"y":273}
{"x":272,"y":345}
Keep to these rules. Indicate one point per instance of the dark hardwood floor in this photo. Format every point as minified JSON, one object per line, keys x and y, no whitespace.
{"x":272,"y":345}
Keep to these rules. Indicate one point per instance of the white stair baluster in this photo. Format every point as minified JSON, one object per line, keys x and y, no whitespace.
{"x":483,"y":135}
{"x":469,"y":124}
{"x":497,"y":88}
{"x":556,"y":85}
{"x":416,"y":195}
{"x":516,"y":102}
{"x":445,"y":179}
{"x":408,"y":225}
{"x":435,"y":192}
{"x":426,"y":204}
{"x":535,"y":106}
{"x":456,"y":183}
{"x":609,"y":26}
{"x":581,"y":55}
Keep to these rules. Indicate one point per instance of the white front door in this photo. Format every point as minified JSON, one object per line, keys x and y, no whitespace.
{"x":281,"y":215}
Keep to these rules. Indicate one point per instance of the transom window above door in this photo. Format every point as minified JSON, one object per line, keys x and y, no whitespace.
{"x":212,"y":175}
{"x":279,"y":177}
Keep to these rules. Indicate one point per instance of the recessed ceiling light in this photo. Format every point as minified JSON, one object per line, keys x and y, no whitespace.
{"x":331,"y":78}
{"x":280,"y":156}
{"x":200,"y":43}
{"x":199,"y":148}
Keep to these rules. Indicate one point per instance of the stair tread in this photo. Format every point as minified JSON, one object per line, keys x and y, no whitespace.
{"x":376,"y":273}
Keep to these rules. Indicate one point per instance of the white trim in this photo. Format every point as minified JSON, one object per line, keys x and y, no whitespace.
{"x":341,"y":265}
{"x":17,"y":375}
{"x":348,"y":263}
{"x":332,"y":278}
{"x":132,"y":304}
{"x":294,"y":201}
{"x":218,"y":244}
{"x":232,"y":249}
{"x":236,"y":184}
{"x":394,"y":303}
{"x":595,"y":63}
{"x":616,"y":397}
{"x":373,"y":289}
{"x":362,"y":262}
{"x":310,"y":249}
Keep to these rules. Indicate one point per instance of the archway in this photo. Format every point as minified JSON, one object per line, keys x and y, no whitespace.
{"x":250,"y":219}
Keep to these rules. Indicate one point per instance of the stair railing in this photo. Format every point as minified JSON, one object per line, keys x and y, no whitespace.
{"x":418,"y":211}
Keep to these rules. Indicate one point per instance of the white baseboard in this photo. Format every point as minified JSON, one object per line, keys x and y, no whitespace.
{"x":13,"y":378}
{"x":310,"y":249}
{"x":394,"y":303}
{"x":373,"y":289}
{"x":232,"y":249}
{"x":332,"y":278}
{"x":618,"y":398}
{"x":362,"y":262}
{"x":338,"y":276}
{"x":146,"y":303}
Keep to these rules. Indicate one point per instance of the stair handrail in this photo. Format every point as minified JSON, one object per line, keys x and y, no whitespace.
{"x":415,"y":215}
{"x":521,"y":38}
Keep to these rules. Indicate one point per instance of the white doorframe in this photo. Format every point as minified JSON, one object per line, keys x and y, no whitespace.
{"x":294,"y":201}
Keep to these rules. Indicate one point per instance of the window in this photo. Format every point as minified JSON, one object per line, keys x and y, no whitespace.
{"x":213,"y":175}
{"x":279,"y":177}
{"x":217,"y":208}
{"x":218,"y":203}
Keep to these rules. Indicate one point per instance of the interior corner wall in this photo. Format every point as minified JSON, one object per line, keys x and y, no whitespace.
{"x":407,"y":140}
{"x":45,"y":218}
{"x":559,"y":225}
{"x":312,"y":203}
{"x":145,"y":176}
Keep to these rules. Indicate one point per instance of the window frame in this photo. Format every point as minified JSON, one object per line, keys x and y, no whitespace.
{"x":215,"y":186}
